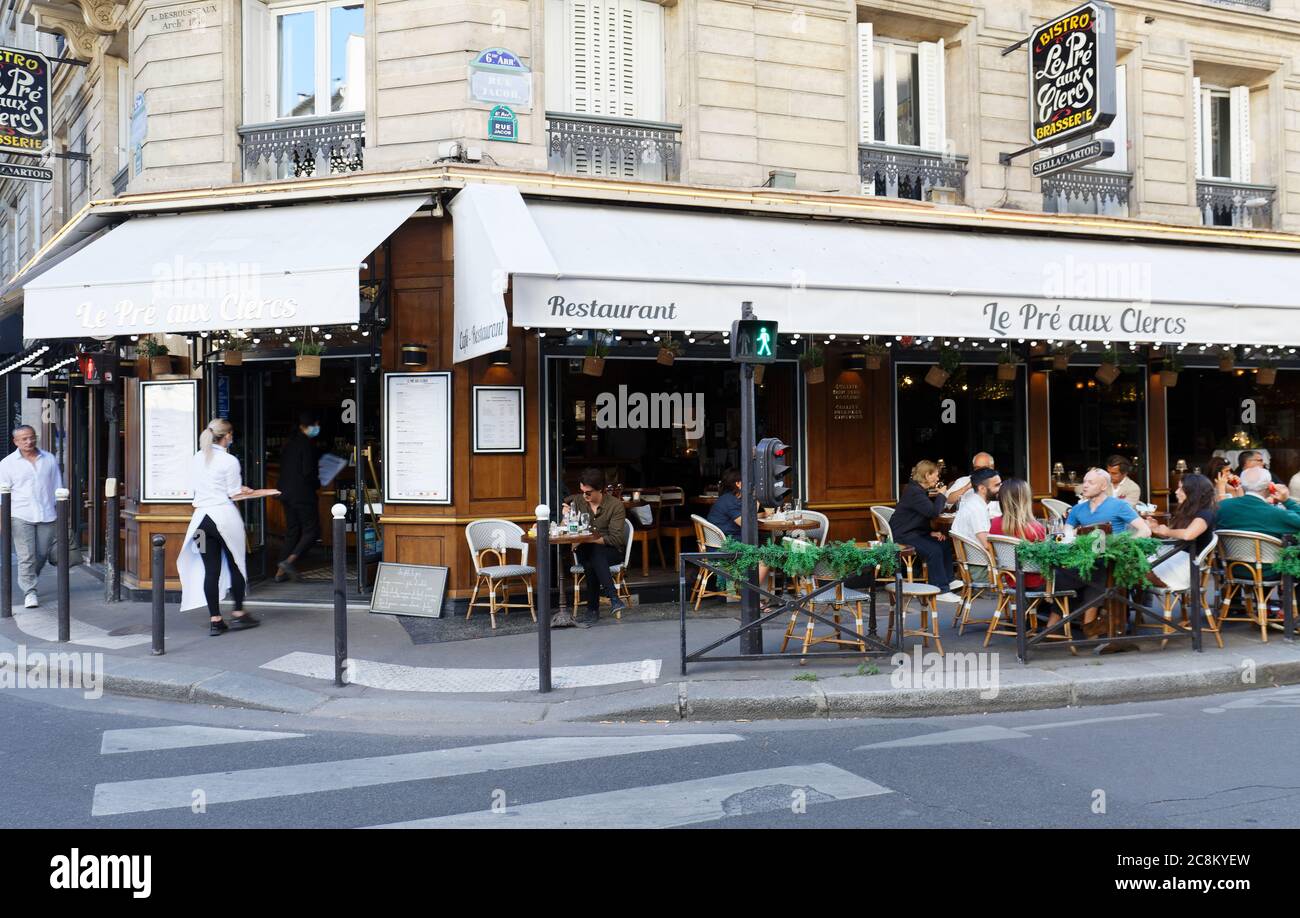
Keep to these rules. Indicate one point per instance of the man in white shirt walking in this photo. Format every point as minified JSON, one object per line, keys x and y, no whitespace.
{"x":32,"y":476}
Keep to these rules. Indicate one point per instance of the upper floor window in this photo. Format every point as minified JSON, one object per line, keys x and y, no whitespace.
{"x":303,"y":60}
{"x":1222,"y":132}
{"x":605,"y":57}
{"x":900,"y":91}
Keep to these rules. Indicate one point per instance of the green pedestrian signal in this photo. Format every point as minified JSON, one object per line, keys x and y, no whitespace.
{"x":753,"y":341}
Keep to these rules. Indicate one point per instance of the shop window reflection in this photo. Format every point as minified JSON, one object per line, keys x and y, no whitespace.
{"x":1091,"y":421}
{"x":1210,"y":410}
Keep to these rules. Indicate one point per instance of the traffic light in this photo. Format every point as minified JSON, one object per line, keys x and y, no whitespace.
{"x":98,"y":367}
{"x":753,"y":341}
{"x":771,"y":465}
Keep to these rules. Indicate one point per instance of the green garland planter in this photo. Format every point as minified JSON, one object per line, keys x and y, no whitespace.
{"x":845,"y":559}
{"x":1127,"y":555}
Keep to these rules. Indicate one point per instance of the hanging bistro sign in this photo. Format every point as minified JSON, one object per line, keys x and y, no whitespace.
{"x":24,"y":101}
{"x":1072,"y":75}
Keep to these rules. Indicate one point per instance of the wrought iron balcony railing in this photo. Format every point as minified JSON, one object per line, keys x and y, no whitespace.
{"x":906,"y":172}
{"x":648,"y":151}
{"x":1224,"y":203}
{"x":1098,"y":190}
{"x":303,"y":147}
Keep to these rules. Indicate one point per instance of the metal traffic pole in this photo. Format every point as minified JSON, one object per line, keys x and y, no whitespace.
{"x":340,"y":537}
{"x":61,"y":554}
{"x":7,"y":547}
{"x":158,"y":566}
{"x":751,"y":641}
{"x":543,"y":515}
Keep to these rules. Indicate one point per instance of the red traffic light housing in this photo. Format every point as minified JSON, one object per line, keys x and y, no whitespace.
{"x":770,"y":469}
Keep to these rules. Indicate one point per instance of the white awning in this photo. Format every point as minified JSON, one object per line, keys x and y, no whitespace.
{"x":291,"y":265}
{"x":640,"y":268}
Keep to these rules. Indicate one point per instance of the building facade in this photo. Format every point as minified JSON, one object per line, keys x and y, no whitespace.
{"x":892,"y":113}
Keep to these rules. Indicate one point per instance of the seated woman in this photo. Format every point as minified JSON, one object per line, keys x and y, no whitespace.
{"x":1192,"y":520}
{"x":725,"y":514}
{"x":1017,"y":520}
{"x":913,"y":514}
{"x":1219,"y":474}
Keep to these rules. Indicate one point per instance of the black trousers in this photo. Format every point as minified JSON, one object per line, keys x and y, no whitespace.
{"x":595,"y":560}
{"x":212,"y":548}
{"x":301,"y":528}
{"x":937,"y":557}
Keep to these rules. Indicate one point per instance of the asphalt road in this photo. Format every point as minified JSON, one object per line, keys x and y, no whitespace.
{"x":1226,"y":761}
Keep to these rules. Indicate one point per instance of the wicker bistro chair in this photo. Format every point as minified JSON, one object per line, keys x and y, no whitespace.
{"x":499,"y":537}
{"x":1168,"y":597}
{"x":926,"y":596}
{"x":618,"y":570}
{"x":881,"y":515}
{"x":709,"y":537}
{"x":1056,"y":509}
{"x":823,"y":530}
{"x":1244,"y":556}
{"x":969,"y":553}
{"x":839,"y":599}
{"x":1004,"y":552}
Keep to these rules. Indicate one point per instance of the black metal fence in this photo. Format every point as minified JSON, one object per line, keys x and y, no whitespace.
{"x":821,"y":595}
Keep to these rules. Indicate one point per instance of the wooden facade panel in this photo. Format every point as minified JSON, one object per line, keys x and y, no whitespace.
{"x":850,"y":450}
{"x":1040,"y":469}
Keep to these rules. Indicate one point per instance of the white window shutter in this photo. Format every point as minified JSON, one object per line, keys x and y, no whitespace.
{"x":1239,"y":101}
{"x":583,"y":24}
{"x":649,"y":58}
{"x":1118,"y":130}
{"x":259,"y":63}
{"x":866,"y":84}
{"x":1200,"y":119}
{"x":931,"y":67}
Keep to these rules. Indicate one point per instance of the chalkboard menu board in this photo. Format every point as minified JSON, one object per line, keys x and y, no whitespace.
{"x":409,"y":589}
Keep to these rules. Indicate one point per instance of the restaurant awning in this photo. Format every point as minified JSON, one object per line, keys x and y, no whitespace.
{"x":254,"y":268}
{"x":628,"y":267}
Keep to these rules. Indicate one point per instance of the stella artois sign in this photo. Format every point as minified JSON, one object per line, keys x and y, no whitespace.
{"x":1072,"y":75}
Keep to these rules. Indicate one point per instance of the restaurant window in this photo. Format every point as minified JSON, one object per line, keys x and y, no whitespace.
{"x":973,"y":412}
{"x":1211,"y":413}
{"x":303,"y":60}
{"x":1091,"y":421}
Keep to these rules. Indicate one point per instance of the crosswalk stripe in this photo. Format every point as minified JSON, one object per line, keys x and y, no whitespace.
{"x":145,"y":739}
{"x":287,"y":780}
{"x":44,"y":626}
{"x":662,"y":806}
{"x":982,"y":734}
{"x":397,"y":677}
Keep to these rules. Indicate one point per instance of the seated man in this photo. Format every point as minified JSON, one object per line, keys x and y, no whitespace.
{"x":1123,"y":487}
{"x":973,"y":518}
{"x":1097,"y":507}
{"x":607,"y":516}
{"x":959,"y":488}
{"x":1255,"y":511}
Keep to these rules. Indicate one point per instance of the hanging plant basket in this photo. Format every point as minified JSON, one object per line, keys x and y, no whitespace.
{"x":593,"y":366}
{"x":232,"y":358}
{"x":1227,"y":363}
{"x":1107,"y":373}
{"x":1168,"y":378}
{"x":815,"y":375}
{"x":160,"y":366}
{"x":937,"y":376}
{"x":1060,"y":362}
{"x":759,"y":370}
{"x":1006,"y":371}
{"x":874,"y":361}
{"x":666,"y":356}
{"x":1266,"y":376}
{"x":307,"y":365}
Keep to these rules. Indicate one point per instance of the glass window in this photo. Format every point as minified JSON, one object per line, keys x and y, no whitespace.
{"x":347,"y":58}
{"x":296,"y":41}
{"x":1091,"y":421}
{"x":986,"y":414}
{"x":878,"y":52}
{"x":1220,"y":135}
{"x":907,"y":66}
{"x":1211,"y":411}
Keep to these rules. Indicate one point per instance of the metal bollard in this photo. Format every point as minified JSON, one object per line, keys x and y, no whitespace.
{"x":7,"y":548}
{"x":158,"y":564}
{"x":543,"y":515}
{"x":340,"y":537}
{"x":62,"y":533}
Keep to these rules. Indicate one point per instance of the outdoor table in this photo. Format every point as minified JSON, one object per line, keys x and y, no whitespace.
{"x":943,"y":522}
{"x":705,"y":500}
{"x":562,"y":618}
{"x":767,"y":524}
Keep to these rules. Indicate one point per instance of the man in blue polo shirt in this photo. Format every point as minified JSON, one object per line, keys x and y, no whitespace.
{"x":1096,"y":507}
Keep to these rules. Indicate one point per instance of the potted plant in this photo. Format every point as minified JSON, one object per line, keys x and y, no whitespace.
{"x":1007,"y":364}
{"x":1169,"y":371}
{"x":949,"y":361}
{"x":1108,"y":372}
{"x":594,"y":363}
{"x":813,"y":362}
{"x":1228,"y":360}
{"x":1266,"y":372}
{"x":153,"y":350}
{"x":668,"y":352}
{"x":759,"y":369}
{"x":875,"y":354}
{"x":307,"y":363}
{"x":1061,"y":357}
{"x":232,"y":351}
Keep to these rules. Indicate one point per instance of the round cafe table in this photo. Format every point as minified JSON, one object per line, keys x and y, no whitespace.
{"x":767,"y":524}
{"x":562,"y":618}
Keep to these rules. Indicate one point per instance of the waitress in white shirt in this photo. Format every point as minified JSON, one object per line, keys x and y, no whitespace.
{"x":212,"y":558}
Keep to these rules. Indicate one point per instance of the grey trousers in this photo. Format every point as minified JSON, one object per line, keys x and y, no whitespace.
{"x":32,"y":544}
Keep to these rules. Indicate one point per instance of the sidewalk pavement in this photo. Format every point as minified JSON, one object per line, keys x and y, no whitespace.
{"x":436,"y":671}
